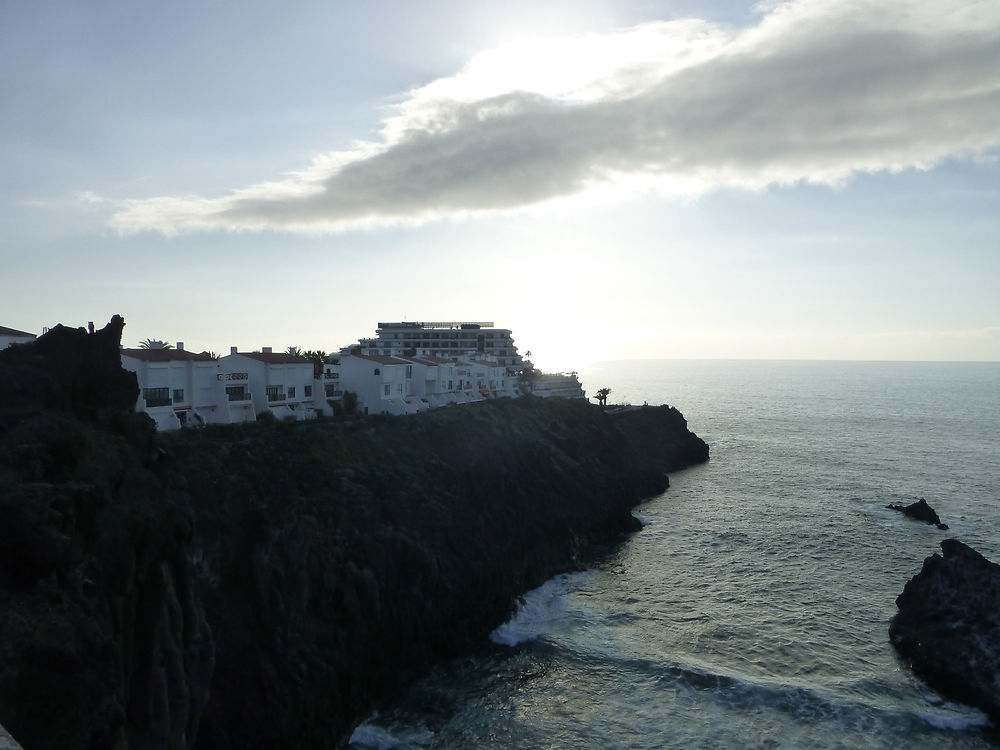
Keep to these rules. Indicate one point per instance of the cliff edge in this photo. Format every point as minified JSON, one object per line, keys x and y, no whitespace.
{"x":264,"y":585}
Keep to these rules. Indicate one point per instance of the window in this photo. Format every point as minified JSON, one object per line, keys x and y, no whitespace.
{"x":332,"y":391}
{"x":409,"y":371}
{"x":291,"y":391}
{"x":385,"y":391}
{"x":399,"y":388}
{"x":274,"y":393}
{"x":178,"y":395}
{"x":156,"y":396}
{"x":451,"y":386}
{"x":378,"y":371}
{"x":237,"y":393}
{"x":307,"y":391}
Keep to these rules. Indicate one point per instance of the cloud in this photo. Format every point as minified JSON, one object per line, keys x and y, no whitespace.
{"x":815,"y":91}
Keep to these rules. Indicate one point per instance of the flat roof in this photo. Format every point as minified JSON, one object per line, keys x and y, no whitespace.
{"x":276,"y":358}
{"x":439,"y":324}
{"x":167,"y":355}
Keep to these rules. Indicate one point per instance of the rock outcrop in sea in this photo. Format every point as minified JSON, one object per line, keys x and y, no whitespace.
{"x":266,"y":585}
{"x":948,"y":626}
{"x":919,"y":511}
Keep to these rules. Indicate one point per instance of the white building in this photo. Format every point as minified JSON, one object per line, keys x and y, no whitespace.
{"x":385,"y":385}
{"x":281,"y":384}
{"x":453,"y":340}
{"x":563,"y":384}
{"x":328,"y":388}
{"x":178,"y":388}
{"x":9,"y":336}
{"x":490,"y":378}
{"x":435,"y":380}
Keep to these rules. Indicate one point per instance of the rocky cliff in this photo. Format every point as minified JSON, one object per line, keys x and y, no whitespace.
{"x":263,"y":586}
{"x":948,"y":626}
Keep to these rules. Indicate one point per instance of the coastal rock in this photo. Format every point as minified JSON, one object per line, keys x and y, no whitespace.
{"x":948,"y":626}
{"x":920,"y":511}
{"x":70,"y":371}
{"x":103,"y":637}
{"x":266,"y":585}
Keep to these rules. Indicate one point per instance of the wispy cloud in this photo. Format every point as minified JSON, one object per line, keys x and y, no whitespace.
{"x":815,"y":91}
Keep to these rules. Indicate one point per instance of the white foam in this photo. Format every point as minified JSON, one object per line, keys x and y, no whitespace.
{"x":539,"y":610}
{"x":954,"y":721}
{"x":369,"y":735}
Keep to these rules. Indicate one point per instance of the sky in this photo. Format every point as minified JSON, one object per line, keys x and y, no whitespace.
{"x":610,"y":179}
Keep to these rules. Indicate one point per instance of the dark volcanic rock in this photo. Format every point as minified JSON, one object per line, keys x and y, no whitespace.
{"x":103,"y":637}
{"x":948,"y":626}
{"x":920,"y":511}
{"x":358,"y":555}
{"x":70,"y":371}
{"x":265,"y":585}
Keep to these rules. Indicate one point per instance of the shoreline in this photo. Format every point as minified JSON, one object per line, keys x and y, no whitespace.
{"x":265,"y":586}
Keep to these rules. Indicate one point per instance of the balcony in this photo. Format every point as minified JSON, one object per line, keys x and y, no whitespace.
{"x":153,"y":397}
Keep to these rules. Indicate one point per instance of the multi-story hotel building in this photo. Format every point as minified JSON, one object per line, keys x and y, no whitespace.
{"x":452,"y":340}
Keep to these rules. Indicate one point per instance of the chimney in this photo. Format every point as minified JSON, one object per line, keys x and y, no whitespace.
{"x":266,"y":350}
{"x":232,"y":350}
{"x":180,"y":346}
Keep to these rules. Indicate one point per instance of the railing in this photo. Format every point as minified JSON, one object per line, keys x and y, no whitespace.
{"x":151,"y":402}
{"x":243,"y":396}
{"x":437,"y":324}
{"x":276,"y":396}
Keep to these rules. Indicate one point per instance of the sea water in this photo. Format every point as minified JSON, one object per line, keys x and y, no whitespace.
{"x":752,"y":609}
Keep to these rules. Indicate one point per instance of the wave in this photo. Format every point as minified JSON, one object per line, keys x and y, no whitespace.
{"x":540,"y":608}
{"x":953,"y":721}
{"x":373,"y":737}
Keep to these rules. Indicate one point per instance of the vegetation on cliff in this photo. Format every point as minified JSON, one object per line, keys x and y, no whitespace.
{"x":264,"y":585}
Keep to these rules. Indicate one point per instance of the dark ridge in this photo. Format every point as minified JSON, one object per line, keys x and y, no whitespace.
{"x":266,"y":585}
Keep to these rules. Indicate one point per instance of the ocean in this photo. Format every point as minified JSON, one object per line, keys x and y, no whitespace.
{"x":752,"y":609}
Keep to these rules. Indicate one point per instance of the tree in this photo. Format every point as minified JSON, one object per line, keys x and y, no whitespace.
{"x":602,"y":396}
{"x":294,"y":350}
{"x":350,"y":402}
{"x":154,"y":344}
{"x":318,"y":358}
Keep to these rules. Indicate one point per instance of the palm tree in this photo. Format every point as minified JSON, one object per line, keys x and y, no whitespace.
{"x":602,"y":396}
{"x":154,"y":344}
{"x":318,"y":358}
{"x":294,"y":350}
{"x":316,"y":355}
